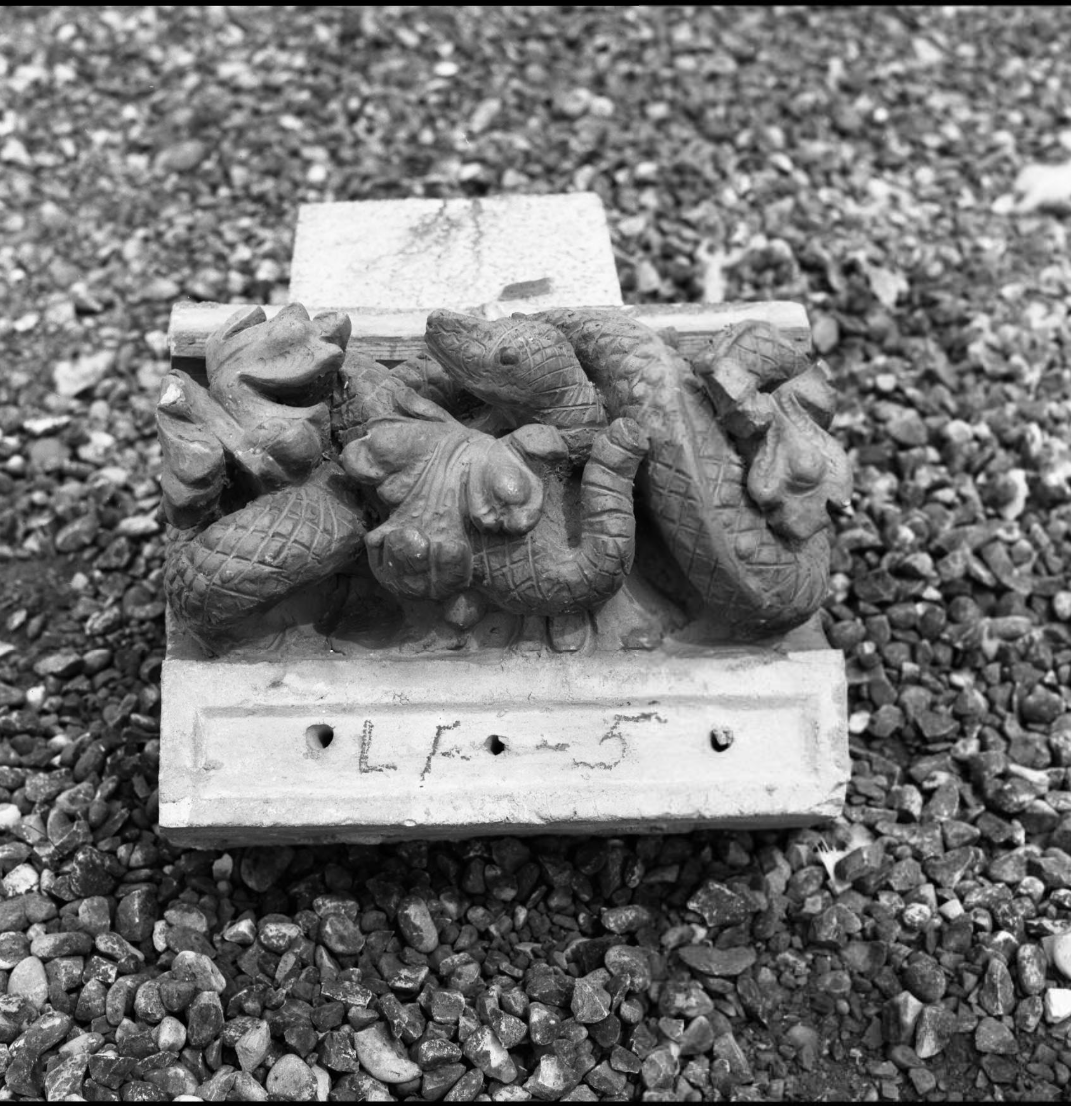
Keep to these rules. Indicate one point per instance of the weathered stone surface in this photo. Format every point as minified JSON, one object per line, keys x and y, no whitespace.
{"x":520,"y":252}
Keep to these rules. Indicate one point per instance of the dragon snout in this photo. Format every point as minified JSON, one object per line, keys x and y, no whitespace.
{"x":444,"y":319}
{"x":446,"y":329}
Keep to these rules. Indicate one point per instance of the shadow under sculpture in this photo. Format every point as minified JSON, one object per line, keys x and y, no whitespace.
{"x":562,"y":479}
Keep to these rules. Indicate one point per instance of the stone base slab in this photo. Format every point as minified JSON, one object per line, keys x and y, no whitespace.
{"x":369,"y":748}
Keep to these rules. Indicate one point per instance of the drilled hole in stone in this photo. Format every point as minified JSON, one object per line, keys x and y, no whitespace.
{"x":495,"y":745}
{"x":319,"y":736}
{"x":721,"y":737}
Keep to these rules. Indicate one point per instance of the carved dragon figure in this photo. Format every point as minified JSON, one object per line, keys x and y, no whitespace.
{"x":524,"y":369}
{"x":739,"y":481}
{"x":292,"y":519}
{"x":488,"y":469}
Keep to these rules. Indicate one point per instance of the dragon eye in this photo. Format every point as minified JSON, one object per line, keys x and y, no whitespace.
{"x":508,"y":355}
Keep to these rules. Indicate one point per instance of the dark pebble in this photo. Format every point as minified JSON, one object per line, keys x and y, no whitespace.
{"x":204,"y":1019}
{"x":718,"y":905}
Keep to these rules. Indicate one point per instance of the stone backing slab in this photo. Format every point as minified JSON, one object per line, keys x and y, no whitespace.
{"x":493,"y":743}
{"x":535,"y":251}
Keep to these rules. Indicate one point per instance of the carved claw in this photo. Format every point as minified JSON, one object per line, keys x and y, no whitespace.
{"x":465,"y":609}
{"x":444,"y":481}
{"x":194,"y":463}
{"x":414,"y":564}
{"x":569,"y":633}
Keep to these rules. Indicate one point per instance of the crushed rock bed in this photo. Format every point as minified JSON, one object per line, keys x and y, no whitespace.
{"x":857,"y":160}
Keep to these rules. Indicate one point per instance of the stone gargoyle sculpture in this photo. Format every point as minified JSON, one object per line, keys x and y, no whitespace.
{"x":488,"y":490}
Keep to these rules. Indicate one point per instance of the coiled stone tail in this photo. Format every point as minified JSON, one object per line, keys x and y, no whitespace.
{"x":543,"y":571}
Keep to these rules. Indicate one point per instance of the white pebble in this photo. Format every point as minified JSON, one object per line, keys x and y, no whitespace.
{"x":170,"y":1035}
{"x":110,"y":474}
{"x":323,"y":1083}
{"x":29,"y":980}
{"x":1057,"y":1004}
{"x":241,"y":932}
{"x":1060,"y":954}
{"x":21,"y":878}
{"x":9,"y":816}
{"x":915,"y":915}
{"x":1061,"y":605}
{"x":137,"y":526}
{"x":858,"y":722}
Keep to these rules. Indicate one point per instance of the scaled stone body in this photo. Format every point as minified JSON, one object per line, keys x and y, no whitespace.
{"x":255,"y":557}
{"x":695,"y":482}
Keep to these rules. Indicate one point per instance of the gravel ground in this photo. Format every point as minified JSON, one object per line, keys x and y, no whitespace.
{"x":853,"y":159}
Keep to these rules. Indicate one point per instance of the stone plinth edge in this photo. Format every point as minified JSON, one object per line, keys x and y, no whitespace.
{"x":368,"y":748}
